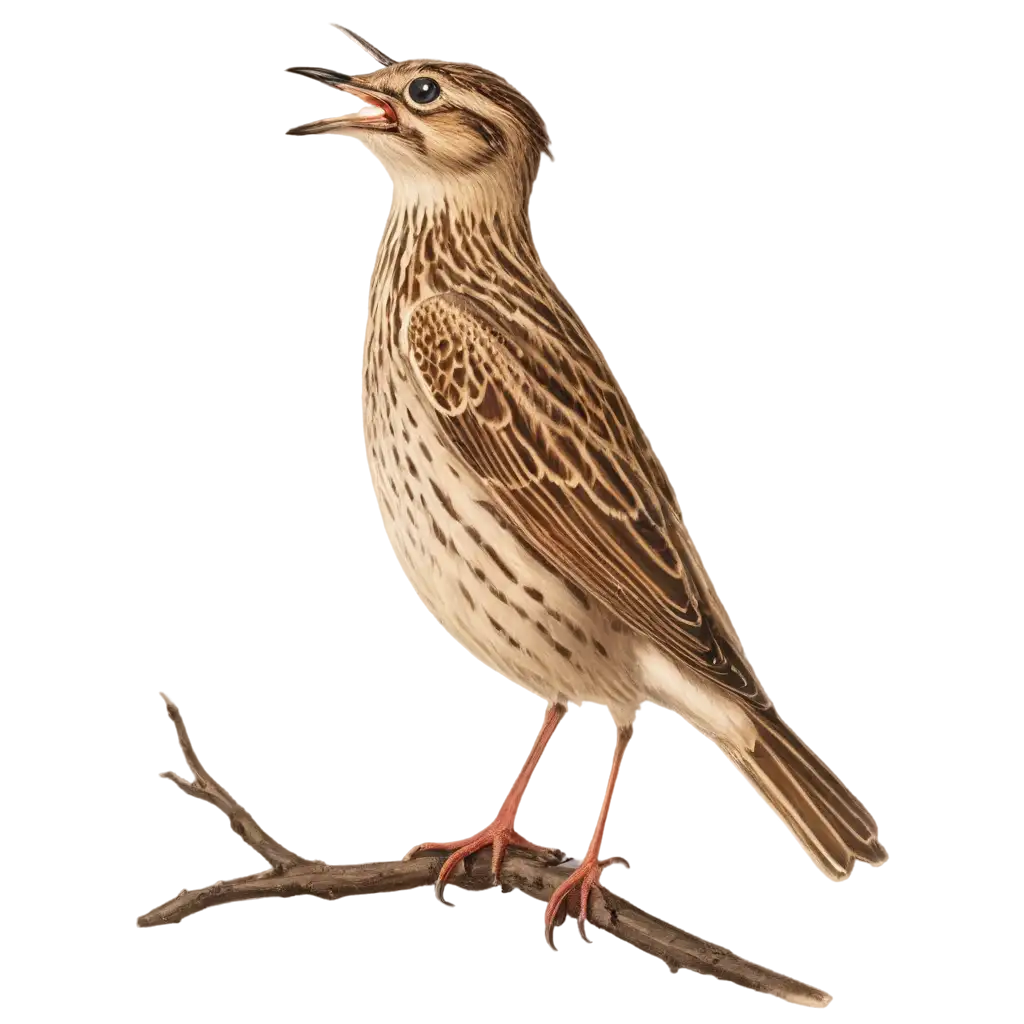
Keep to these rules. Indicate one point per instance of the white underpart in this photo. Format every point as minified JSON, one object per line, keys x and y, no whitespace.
{"x":701,"y":703}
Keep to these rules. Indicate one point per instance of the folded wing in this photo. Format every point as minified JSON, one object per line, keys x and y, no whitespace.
{"x":568,"y":468}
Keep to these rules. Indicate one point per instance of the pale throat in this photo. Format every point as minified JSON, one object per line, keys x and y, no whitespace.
{"x":484,"y":195}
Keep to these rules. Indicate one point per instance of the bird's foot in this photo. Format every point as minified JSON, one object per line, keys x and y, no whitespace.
{"x":583,"y":879}
{"x":499,"y":836}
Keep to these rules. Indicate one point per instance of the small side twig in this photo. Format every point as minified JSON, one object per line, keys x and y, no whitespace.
{"x":536,"y":875}
{"x":204,"y":787}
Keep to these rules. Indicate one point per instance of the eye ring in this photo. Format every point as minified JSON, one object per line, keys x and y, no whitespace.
{"x":424,"y":90}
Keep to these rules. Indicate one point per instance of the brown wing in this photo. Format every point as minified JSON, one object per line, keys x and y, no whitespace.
{"x":567,"y":466}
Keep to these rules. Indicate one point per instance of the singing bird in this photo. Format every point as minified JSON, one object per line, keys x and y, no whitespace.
{"x":519,"y":493}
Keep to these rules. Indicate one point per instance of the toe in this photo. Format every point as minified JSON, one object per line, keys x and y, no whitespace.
{"x":584,"y":878}
{"x":435,"y":848}
{"x":552,"y":919}
{"x":556,"y":910}
{"x":462,"y":853}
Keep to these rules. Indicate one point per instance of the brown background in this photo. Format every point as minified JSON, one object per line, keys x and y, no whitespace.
{"x":810,"y":290}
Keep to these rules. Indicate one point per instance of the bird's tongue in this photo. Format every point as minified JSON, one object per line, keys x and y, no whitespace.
{"x":365,"y":109}
{"x":367,"y":112}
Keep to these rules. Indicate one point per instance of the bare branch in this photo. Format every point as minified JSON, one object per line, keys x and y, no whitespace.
{"x":205,"y":788}
{"x":533,"y":874}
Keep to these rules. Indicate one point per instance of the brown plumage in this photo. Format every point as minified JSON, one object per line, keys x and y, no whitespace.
{"x":517,"y":488}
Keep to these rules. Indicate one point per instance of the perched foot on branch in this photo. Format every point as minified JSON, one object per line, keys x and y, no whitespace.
{"x":584,"y":879}
{"x":501,"y":833}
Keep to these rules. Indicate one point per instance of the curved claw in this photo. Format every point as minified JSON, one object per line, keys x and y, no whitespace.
{"x":437,"y":894}
{"x":447,"y":868}
{"x":586,"y":876}
{"x":550,"y":923}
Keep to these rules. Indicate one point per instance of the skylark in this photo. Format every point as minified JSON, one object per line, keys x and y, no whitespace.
{"x":517,"y":488}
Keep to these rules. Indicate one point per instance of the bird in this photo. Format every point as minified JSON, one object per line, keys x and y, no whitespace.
{"x":518,"y":490}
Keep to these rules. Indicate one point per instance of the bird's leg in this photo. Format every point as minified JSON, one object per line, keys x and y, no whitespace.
{"x":587,"y":875}
{"x":500,"y":834}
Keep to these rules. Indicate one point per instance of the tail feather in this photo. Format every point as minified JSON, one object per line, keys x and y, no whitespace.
{"x":832,"y":824}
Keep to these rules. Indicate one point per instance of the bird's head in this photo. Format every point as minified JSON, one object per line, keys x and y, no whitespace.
{"x":435,"y":121}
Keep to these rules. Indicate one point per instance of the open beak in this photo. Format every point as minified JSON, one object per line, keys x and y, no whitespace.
{"x":379,"y":116}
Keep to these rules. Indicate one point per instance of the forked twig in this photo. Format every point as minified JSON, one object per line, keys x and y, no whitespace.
{"x":537,"y":876}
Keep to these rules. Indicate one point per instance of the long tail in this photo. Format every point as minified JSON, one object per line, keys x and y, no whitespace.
{"x":831,"y":823}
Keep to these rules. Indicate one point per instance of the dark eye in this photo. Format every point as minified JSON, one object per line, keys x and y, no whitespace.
{"x":424,"y":90}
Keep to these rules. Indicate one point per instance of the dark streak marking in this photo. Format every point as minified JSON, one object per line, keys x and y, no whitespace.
{"x":497,"y":626}
{"x":496,"y":558}
{"x":415,"y":136}
{"x":446,"y":502}
{"x":576,"y":632}
{"x":578,"y":592}
{"x":438,"y":532}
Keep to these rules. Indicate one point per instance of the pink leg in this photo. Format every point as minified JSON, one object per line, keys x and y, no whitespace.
{"x":500,"y":834}
{"x":587,"y":875}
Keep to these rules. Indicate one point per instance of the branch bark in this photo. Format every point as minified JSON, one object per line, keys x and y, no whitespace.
{"x":536,"y":875}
